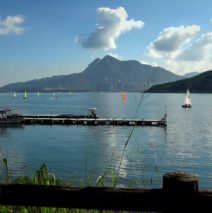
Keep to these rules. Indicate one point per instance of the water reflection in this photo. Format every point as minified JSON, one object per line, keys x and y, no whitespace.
{"x":7,"y":129}
{"x":3,"y":132}
{"x":186,"y":143}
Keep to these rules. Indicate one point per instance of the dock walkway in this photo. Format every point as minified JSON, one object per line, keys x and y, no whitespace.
{"x":89,"y":120}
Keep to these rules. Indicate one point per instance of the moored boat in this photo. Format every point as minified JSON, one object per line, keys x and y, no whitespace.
{"x":7,"y":116}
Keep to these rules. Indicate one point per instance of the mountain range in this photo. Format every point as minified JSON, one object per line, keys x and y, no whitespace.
{"x":107,"y":74}
{"x":201,"y":83}
{"x":191,"y":74}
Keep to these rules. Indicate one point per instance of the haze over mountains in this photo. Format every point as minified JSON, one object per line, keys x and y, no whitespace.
{"x":107,"y":74}
{"x":191,"y":74}
{"x":201,"y":83}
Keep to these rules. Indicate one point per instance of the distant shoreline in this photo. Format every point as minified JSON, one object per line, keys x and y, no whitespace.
{"x":70,"y":91}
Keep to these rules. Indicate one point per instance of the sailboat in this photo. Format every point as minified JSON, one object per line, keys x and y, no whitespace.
{"x":25,"y":95}
{"x":38,"y":93}
{"x":14,"y":95}
{"x":123,"y":96}
{"x":187,"y":100}
{"x":55,"y":96}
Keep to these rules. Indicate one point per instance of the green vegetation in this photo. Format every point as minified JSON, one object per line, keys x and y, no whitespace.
{"x":43,"y":177}
{"x":197,"y":84}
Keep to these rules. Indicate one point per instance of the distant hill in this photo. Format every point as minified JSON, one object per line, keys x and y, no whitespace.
{"x":191,"y":74}
{"x":107,"y":74}
{"x":201,"y":83}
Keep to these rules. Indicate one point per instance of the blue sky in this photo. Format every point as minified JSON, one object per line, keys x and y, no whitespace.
{"x":43,"y":38}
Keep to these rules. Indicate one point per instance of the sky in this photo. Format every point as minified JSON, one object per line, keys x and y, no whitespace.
{"x":44,"y":38}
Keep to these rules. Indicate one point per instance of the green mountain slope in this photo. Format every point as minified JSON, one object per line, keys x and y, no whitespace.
{"x":107,"y":74}
{"x":201,"y":83}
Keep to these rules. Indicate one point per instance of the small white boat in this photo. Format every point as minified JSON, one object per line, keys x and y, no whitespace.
{"x":55,"y":95}
{"x":7,"y":116}
{"x":25,"y":95}
{"x":187,"y":100}
{"x":14,"y":95}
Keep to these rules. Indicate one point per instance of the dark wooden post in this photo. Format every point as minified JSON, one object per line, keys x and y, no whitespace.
{"x":180,"y":183}
{"x":179,"y":189}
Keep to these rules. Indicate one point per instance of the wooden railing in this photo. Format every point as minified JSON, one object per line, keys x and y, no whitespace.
{"x":179,"y":194}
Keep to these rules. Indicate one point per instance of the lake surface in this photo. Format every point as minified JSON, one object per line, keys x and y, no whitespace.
{"x":79,"y":154}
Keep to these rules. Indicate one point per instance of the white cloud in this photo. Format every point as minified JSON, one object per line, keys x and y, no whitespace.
{"x":11,"y":24}
{"x":196,"y":57}
{"x":153,"y":64}
{"x":115,"y":55}
{"x":111,"y":23}
{"x":171,"y":39}
{"x":182,"y":67}
{"x":178,"y":50}
{"x":201,"y":49}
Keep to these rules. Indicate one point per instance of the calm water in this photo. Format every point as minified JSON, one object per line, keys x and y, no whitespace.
{"x":82,"y":153}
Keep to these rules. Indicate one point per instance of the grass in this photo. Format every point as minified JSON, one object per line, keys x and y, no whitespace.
{"x":43,"y":177}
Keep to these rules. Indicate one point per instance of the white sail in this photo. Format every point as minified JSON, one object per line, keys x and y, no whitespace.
{"x":55,"y":95}
{"x":14,"y":95}
{"x":25,"y":95}
{"x":187,"y":100}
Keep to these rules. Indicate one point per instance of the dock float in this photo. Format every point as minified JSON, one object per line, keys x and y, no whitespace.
{"x":90,"y":121}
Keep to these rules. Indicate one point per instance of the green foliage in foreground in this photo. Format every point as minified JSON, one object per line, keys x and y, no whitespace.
{"x":43,"y":177}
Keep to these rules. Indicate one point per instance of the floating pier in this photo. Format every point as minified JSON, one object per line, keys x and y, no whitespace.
{"x":89,"y":120}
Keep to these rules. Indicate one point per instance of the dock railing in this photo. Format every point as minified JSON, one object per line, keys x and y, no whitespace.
{"x":179,"y":193}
